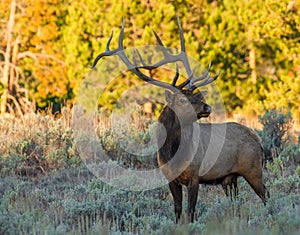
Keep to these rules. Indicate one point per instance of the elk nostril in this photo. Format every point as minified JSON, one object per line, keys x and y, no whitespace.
{"x":207,"y":108}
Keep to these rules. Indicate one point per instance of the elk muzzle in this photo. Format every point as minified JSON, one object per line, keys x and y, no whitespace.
{"x":205,"y":112}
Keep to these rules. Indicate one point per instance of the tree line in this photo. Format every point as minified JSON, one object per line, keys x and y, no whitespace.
{"x":47,"y":46}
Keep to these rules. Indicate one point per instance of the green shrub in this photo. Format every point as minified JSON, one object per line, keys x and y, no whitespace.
{"x":274,"y":134}
{"x":120,"y":144}
{"x":35,"y":145}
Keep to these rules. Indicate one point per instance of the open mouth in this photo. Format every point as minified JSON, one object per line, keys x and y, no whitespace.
{"x":200,"y":115}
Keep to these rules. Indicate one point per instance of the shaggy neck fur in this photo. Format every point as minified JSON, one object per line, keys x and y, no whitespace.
{"x":174,"y":133}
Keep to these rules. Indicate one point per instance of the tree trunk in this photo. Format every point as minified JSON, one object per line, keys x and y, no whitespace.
{"x":6,"y":69}
{"x":13,"y":78}
{"x":252,"y":63}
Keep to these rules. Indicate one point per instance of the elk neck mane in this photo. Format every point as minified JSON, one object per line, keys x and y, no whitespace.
{"x":170,"y":121}
{"x":174,"y":130}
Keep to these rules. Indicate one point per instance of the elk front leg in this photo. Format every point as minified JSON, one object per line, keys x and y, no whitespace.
{"x":176,"y":190}
{"x":192,"y":200}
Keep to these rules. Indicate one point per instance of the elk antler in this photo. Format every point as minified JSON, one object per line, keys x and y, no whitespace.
{"x":192,"y":81}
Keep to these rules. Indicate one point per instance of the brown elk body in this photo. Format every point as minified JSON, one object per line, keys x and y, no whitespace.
{"x":184,"y":159}
{"x":241,"y":154}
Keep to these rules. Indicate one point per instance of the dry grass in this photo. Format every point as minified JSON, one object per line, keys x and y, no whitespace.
{"x":42,"y":177}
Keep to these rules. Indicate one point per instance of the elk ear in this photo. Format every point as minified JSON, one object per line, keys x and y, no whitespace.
{"x":169,"y":97}
{"x":201,"y":94}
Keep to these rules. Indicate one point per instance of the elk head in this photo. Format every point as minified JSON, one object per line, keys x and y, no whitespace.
{"x":185,"y":103}
{"x":181,"y":98}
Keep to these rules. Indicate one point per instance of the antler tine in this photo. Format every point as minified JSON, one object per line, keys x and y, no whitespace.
{"x":181,"y":35}
{"x":144,"y":66}
{"x":120,"y":44}
{"x":133,"y":67}
{"x":184,"y":59}
{"x":107,"y":51}
{"x":133,"y":56}
{"x":168,"y":58}
{"x":149,"y":79}
{"x":187,"y":81}
{"x":141,"y":59}
{"x":109,"y":40}
{"x":205,"y":82}
{"x":176,"y":76}
{"x":159,"y":41}
{"x":204,"y":76}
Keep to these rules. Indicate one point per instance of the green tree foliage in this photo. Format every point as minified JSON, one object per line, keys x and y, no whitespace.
{"x":253,"y":43}
{"x":37,"y":53}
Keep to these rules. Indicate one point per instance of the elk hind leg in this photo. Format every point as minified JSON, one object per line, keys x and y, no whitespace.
{"x":235,"y":185}
{"x":256,"y":183}
{"x":225,"y":188}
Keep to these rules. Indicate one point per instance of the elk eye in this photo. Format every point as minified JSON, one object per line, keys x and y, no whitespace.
{"x":183,"y":101}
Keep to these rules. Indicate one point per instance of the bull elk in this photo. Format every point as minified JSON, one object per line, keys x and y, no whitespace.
{"x":187,"y":156}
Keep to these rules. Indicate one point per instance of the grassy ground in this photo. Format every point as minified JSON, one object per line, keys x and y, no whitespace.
{"x":46,"y":189}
